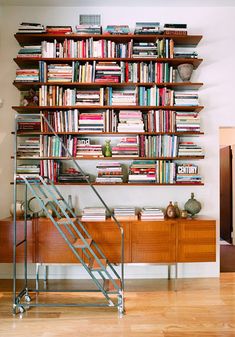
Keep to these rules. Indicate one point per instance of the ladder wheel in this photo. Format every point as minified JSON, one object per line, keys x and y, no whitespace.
{"x":27,"y":298}
{"x":21,"y":309}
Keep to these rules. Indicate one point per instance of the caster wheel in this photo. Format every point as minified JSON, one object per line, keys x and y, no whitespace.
{"x":21,"y":309}
{"x":27,"y":298}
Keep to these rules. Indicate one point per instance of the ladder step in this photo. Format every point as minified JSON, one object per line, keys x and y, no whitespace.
{"x":94,"y":265}
{"x":110,"y":288}
{"x":65,"y":221}
{"x":80,"y":244}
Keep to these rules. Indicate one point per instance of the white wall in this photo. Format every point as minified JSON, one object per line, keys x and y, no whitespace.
{"x":217,"y":72}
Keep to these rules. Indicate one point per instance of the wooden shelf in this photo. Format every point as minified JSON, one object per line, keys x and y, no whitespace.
{"x":111,"y":158}
{"x":29,"y":39}
{"x":33,"y":61}
{"x":34,"y":109}
{"x":123,"y":184}
{"x":177,"y":85}
{"x":185,"y":133}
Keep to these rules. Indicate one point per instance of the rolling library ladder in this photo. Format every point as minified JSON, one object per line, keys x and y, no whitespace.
{"x":87,"y":252}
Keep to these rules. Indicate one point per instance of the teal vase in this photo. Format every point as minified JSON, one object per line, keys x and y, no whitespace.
{"x":192,"y":206}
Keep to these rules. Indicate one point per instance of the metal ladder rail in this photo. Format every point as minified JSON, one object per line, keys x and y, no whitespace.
{"x":99,"y":286}
{"x":70,"y":222}
{"x":89,"y":183}
{"x":80,"y":224}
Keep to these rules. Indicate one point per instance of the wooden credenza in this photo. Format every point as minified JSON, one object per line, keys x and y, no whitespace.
{"x":166,"y":241}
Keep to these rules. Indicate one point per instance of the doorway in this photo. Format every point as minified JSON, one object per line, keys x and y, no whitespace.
{"x":227,"y":199}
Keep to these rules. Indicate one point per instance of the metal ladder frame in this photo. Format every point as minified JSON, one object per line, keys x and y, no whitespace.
{"x":24,"y":292}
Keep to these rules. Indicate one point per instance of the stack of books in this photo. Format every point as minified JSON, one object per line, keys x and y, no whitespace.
{"x":30,"y":51}
{"x":147,"y":28}
{"x":88,"y":29}
{"x":30,"y":147}
{"x":85,"y":148}
{"x":186,"y":97}
{"x":127,"y":147}
{"x":151,"y":214}
{"x":58,"y":29}
{"x":125,"y":213}
{"x":29,"y":126}
{"x":189,"y":149}
{"x":71,"y":175}
{"x":175,"y":29}
{"x":107,"y":72}
{"x":28,"y":169}
{"x":130,"y":121}
{"x":90,"y":97}
{"x":144,"y":49}
{"x":120,"y":96}
{"x":31,"y":27}
{"x":91,"y":122}
{"x":142,"y":171}
{"x":27,"y":75}
{"x":109,"y":172}
{"x":188,"y":173}
{"x":59,"y":73}
{"x":117,"y":29}
{"x":187,"y":121}
{"x":94,"y":214}
{"x":183,"y":52}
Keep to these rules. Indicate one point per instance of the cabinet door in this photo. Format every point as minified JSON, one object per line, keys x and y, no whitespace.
{"x":51,"y":246}
{"x":153,"y":241}
{"x":6,"y":241}
{"x":108,"y":238}
{"x":196,"y":241}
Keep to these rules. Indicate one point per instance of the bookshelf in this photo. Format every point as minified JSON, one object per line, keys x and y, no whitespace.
{"x":141,"y":93}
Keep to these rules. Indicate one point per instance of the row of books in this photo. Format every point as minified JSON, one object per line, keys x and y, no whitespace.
{"x":140,"y":28}
{"x":87,"y":48}
{"x":105,"y":72}
{"x":111,"y":172}
{"x":111,"y":120}
{"x":130,"y":146}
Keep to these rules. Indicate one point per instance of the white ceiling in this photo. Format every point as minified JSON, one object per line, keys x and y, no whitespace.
{"x":115,"y":3}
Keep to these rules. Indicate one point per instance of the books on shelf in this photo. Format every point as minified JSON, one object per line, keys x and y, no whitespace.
{"x":107,"y":72}
{"x":27,"y":75}
{"x":187,"y":121}
{"x":58,"y":29}
{"x":117,"y":29}
{"x":88,"y":29}
{"x":147,"y":28}
{"x":94,"y":214}
{"x":159,"y":121}
{"x":165,"y":172}
{"x":30,"y":51}
{"x":86,"y":148}
{"x":61,"y":121}
{"x":59,"y":73}
{"x":158,"y":146}
{"x":188,"y":173}
{"x":28,"y":169}
{"x":71,"y":175}
{"x":31,"y":27}
{"x":155,"y":96}
{"x":123,"y":96}
{"x":124,"y":213}
{"x":91,"y":122}
{"x":109,"y":172}
{"x":142,"y":171}
{"x":127,"y":146}
{"x":184,"y":52}
{"x":130,"y":121}
{"x":189,"y":149}
{"x":175,"y":29}
{"x":29,"y":125}
{"x":28,"y":147}
{"x":151,"y":214}
{"x":186,"y":97}
{"x":90,"y":97}
{"x":162,"y":48}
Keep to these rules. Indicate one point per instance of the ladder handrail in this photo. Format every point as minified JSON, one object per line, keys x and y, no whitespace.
{"x":41,"y":115}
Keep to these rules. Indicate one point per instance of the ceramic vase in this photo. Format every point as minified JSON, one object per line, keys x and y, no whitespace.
{"x":185,"y":71}
{"x":192,"y":206}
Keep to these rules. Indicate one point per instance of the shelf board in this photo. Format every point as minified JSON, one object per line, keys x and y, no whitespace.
{"x":34,"y":109}
{"x":31,"y":61}
{"x":125,"y":184}
{"x":185,"y":133}
{"x":176,"y":85}
{"x":111,"y":158}
{"x":30,"y":38}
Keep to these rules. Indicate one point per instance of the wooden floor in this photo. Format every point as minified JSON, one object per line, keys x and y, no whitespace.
{"x":200,"y":308}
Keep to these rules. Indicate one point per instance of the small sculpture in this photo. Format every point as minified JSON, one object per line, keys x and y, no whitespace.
{"x":185,"y":71}
{"x":192,"y":206}
{"x":107,"y":149}
{"x":170,"y":211}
